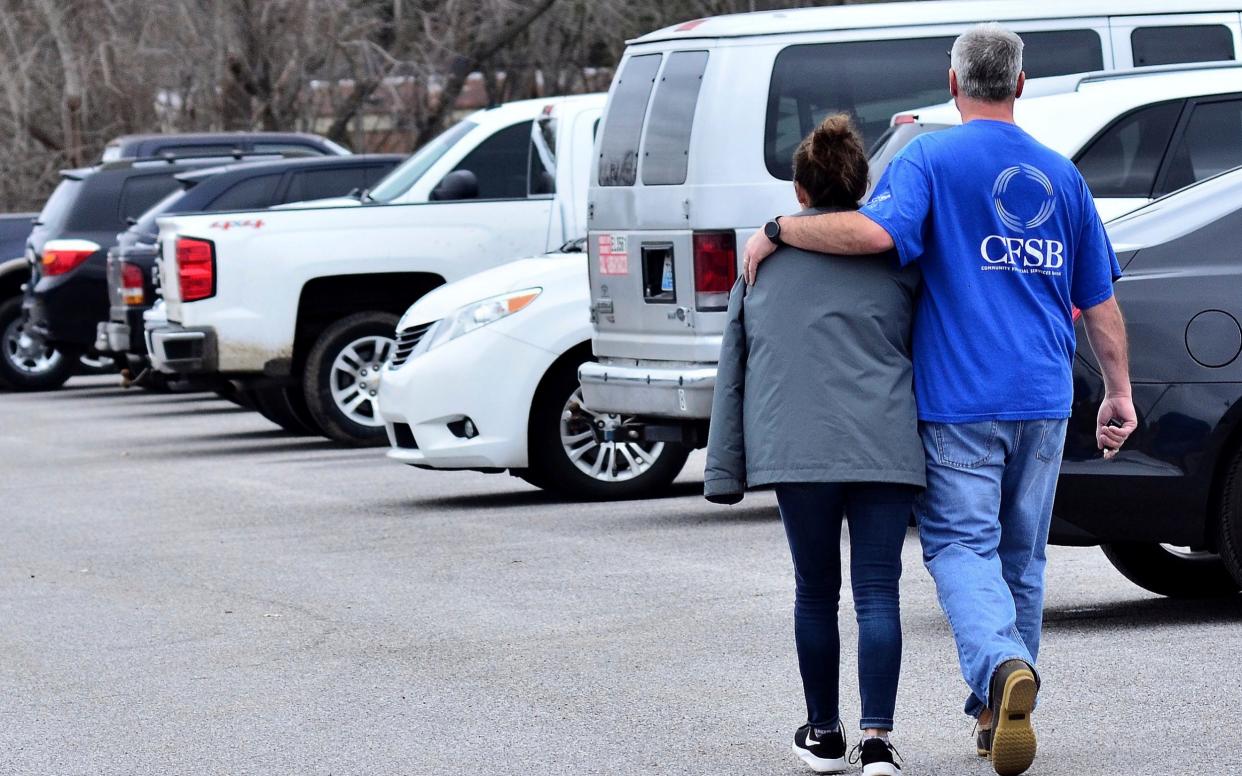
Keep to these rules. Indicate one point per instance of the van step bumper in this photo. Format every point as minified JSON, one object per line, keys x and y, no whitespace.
{"x":649,"y":389}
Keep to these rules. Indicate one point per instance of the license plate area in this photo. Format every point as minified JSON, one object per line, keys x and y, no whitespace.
{"x":659,"y":277}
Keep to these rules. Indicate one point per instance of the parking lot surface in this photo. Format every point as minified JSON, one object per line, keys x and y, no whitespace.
{"x":185,"y":589}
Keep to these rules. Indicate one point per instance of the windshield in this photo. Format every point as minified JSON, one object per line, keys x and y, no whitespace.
{"x":891,"y":143}
{"x":401,"y":179}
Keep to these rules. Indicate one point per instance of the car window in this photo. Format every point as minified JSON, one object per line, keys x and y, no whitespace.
{"x":500,"y":163}
{"x":140,"y":192}
{"x":666,"y":145}
{"x":56,"y":209}
{"x":1124,"y":159}
{"x":872,"y":80}
{"x":287,"y":148}
{"x":627,"y":107}
{"x":146,"y":221}
{"x":1181,"y":43}
{"x":321,"y":184}
{"x":376,"y":172}
{"x":249,"y":194}
{"x":401,"y":179}
{"x":1210,"y":144}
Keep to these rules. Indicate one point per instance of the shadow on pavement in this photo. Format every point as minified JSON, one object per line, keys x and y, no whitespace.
{"x":1152,"y":612}
{"x":220,"y":409}
{"x":471,"y":501}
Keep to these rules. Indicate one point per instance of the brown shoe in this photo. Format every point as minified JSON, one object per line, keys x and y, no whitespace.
{"x":983,"y":740}
{"x":1012,"y":699}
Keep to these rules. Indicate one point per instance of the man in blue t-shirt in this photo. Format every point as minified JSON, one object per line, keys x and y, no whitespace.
{"x":1011,"y":248}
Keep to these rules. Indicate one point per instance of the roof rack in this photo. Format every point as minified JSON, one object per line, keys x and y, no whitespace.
{"x":225,"y":157}
{"x":1139,"y":72}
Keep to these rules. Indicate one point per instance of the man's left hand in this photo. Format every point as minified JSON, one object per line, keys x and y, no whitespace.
{"x":1111,"y":438}
{"x":758,"y":248}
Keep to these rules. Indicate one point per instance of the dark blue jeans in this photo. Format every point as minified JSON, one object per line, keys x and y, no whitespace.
{"x":878,"y":516}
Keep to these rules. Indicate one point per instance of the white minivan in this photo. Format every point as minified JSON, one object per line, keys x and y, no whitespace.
{"x":700,"y":127}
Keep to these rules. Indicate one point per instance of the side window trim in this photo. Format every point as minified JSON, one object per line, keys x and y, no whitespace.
{"x":282,"y":188}
{"x":1179,"y":132}
{"x":1161,"y":168}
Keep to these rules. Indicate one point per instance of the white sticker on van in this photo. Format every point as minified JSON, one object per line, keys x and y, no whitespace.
{"x":614,"y":259}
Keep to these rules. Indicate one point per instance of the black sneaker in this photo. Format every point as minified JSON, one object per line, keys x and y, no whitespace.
{"x":824,"y":755}
{"x":1012,"y":699}
{"x":877,"y":757}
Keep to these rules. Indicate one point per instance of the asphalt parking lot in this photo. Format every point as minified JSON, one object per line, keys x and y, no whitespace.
{"x":184,"y":589}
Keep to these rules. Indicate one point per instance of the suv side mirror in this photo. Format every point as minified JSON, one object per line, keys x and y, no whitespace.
{"x":458,"y":184}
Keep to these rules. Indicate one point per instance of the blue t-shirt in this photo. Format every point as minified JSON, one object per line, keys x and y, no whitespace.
{"x":1009,"y":242}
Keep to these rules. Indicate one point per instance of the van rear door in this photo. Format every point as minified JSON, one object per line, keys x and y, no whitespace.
{"x":648,"y":281}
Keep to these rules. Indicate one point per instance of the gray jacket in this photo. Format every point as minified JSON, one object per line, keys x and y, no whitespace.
{"x":815,"y":382}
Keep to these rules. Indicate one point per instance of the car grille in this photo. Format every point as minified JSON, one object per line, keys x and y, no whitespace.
{"x":407,"y":340}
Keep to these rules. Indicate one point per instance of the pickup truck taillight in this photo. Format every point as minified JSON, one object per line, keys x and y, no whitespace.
{"x":131,"y":284}
{"x":61,"y":256}
{"x":196,"y":268}
{"x":715,"y":269}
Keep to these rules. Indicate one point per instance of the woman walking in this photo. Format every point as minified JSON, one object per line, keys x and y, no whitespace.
{"x":814,"y":396}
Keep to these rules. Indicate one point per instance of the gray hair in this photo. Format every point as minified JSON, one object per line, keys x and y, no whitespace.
{"x":987,"y":59}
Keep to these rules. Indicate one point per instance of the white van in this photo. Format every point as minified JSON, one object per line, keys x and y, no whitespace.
{"x":699,"y":131}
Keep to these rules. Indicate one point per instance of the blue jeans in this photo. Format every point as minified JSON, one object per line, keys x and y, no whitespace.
{"x":984,"y":521}
{"x":878,"y":515}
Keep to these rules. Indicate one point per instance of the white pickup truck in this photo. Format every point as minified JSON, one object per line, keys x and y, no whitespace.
{"x":298,"y":306}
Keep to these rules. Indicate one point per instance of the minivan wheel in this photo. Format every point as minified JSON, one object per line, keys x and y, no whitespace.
{"x":1171,"y":571}
{"x":341,"y":378}
{"x":284,"y":406}
{"x":27,"y":363}
{"x":568,"y":455}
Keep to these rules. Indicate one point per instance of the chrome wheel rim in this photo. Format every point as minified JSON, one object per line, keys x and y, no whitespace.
{"x":27,"y":352}
{"x":581,"y":433}
{"x":354,"y":379}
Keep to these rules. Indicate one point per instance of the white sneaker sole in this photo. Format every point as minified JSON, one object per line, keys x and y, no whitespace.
{"x":881,"y":769}
{"x":820,"y":764}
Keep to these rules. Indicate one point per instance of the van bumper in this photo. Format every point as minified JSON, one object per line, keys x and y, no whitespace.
{"x":649,"y":388}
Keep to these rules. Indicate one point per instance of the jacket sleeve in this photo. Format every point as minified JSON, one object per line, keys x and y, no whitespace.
{"x":724,"y":479}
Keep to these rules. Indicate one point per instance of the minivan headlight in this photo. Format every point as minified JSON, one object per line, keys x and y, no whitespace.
{"x":479,"y":314}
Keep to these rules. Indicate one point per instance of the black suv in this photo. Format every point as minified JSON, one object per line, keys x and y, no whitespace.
{"x":66,"y":293}
{"x":242,"y":186}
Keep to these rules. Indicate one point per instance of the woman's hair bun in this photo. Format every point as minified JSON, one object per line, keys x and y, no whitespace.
{"x":830,"y":164}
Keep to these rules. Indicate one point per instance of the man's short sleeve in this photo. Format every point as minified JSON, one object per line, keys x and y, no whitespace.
{"x":1095,"y":262}
{"x":901,"y":204}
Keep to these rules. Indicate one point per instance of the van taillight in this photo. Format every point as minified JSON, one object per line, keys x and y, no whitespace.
{"x":715,"y":269}
{"x":61,"y":256}
{"x":196,"y":268}
{"x":131,"y":284}
{"x":904,"y":118}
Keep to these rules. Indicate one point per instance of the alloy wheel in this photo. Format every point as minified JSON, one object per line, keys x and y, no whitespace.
{"x":354,"y":378}
{"x":582,"y":437}
{"x":26,"y":351}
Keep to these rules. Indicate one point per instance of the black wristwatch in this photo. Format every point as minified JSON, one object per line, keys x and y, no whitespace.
{"x":772,"y":230}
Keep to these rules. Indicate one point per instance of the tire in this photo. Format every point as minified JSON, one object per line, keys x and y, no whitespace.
{"x":1231,"y":519}
{"x":557,"y":424}
{"x":338,"y":380}
{"x":1170,"y":572}
{"x":27,"y":365}
{"x":284,"y":406}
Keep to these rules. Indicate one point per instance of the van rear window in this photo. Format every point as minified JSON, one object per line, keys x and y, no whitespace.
{"x":666,"y":146}
{"x":874,"y":79}
{"x":618,"y":148}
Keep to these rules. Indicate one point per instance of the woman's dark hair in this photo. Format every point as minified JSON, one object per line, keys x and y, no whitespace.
{"x":830,"y":164}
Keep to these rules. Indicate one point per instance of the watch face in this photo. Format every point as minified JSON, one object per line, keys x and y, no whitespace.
{"x":772,"y":230}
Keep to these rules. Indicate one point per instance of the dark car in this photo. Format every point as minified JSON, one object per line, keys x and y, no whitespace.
{"x":1168,"y":509}
{"x":66,"y":293}
{"x":243,"y":186}
{"x":219,"y":144}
